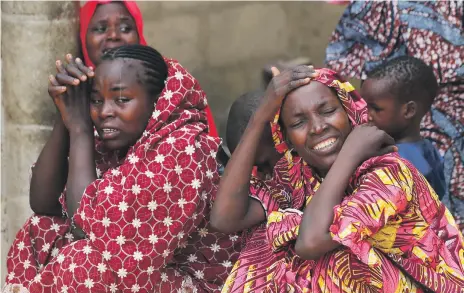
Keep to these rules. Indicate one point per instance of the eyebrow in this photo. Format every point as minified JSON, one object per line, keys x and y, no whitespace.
{"x":118,"y":87}
{"x":121,"y":18}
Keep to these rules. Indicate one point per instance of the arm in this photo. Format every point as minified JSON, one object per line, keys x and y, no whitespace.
{"x":50,"y":172}
{"x":82,"y":169}
{"x":362,"y":143}
{"x":233,"y":209}
{"x":314,"y":239}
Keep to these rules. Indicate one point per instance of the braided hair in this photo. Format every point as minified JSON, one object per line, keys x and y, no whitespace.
{"x":156,"y":70}
{"x":410,"y":79}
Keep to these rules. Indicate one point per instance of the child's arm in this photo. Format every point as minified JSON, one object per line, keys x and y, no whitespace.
{"x":233,"y":209}
{"x":314,"y":239}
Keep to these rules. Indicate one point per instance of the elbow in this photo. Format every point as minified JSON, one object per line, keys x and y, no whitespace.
{"x":220,"y":225}
{"x":308,"y":248}
{"x":40,"y":207}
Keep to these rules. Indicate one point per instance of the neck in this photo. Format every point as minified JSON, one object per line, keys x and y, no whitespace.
{"x":410,"y":134}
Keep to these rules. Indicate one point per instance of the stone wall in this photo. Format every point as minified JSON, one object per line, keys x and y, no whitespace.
{"x":223,"y":44}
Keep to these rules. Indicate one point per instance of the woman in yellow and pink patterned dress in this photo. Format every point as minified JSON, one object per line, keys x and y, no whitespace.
{"x":343,"y":213}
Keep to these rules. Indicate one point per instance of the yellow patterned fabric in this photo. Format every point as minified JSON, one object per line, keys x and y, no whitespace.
{"x":396,"y":235}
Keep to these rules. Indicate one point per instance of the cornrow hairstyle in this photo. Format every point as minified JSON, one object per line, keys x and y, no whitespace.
{"x":410,"y":78}
{"x":239,"y":115}
{"x":156,"y":70}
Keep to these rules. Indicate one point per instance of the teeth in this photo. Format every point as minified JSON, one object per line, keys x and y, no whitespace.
{"x":108,"y":130}
{"x":324,"y":144}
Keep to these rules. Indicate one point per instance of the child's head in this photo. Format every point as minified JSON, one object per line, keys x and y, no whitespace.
{"x":398,"y":94}
{"x":239,"y":115}
{"x":127,"y":83}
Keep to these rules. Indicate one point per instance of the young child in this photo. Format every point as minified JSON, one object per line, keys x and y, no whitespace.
{"x":239,"y":115}
{"x":398,"y":94}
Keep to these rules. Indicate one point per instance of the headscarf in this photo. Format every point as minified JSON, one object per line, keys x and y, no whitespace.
{"x":400,"y":194}
{"x":86,"y":14}
{"x":299,"y":174}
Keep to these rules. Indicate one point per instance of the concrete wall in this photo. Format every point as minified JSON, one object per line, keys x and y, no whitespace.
{"x":223,"y":44}
{"x":33,"y":35}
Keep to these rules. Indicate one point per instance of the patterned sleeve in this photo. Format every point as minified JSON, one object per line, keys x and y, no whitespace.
{"x":382,"y":194}
{"x":367,"y":33}
{"x":262,"y":192}
{"x":140,"y":212}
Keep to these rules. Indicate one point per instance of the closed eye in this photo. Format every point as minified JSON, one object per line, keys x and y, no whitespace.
{"x":328,"y":110}
{"x":296,"y":124}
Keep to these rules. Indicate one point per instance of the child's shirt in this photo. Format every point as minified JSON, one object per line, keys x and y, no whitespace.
{"x":425,"y":157}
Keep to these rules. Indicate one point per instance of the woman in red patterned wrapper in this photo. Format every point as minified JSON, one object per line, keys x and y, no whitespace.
{"x":103,"y":25}
{"x":137,"y":198}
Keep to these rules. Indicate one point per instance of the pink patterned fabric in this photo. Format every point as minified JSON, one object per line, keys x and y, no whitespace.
{"x":145,"y":217}
{"x":395,"y":235}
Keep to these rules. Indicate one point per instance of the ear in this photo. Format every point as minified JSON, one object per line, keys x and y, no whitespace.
{"x":409,"y":110}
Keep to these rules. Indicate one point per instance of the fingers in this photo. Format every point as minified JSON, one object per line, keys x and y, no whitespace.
{"x":87,"y":70}
{"x":387,"y":150}
{"x":54,"y":88}
{"x":65,"y":79}
{"x":73,"y":70}
{"x":275,"y":71}
{"x":387,"y":139}
{"x":297,"y":83}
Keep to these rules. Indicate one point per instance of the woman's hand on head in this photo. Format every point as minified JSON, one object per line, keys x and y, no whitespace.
{"x":366,"y":141}
{"x":70,"y":91}
{"x":281,"y":84}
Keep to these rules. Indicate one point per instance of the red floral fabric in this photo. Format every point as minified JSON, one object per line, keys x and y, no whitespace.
{"x":145,"y":217}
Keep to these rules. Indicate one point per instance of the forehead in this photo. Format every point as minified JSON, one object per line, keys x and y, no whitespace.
{"x":126,"y":71}
{"x":114,"y":9}
{"x":309,"y":97}
{"x":376,"y":90}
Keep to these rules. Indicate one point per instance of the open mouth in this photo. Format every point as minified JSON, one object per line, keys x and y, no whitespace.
{"x":109,"y":133}
{"x":325,"y":145}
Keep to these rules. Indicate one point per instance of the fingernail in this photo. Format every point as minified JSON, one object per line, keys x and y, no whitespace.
{"x":307,"y":79}
{"x":78,"y":60}
{"x":69,"y":56}
{"x":50,"y":77}
{"x":58,"y":62}
{"x":76,"y":81}
{"x":63,"y":88}
{"x":83,"y":78}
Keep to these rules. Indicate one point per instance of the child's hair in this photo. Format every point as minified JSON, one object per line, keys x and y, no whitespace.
{"x":156,"y":70}
{"x":239,"y":115}
{"x":410,"y":78}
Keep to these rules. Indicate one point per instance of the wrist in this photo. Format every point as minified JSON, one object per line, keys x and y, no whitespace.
{"x":348,"y":160}
{"x":81,"y":129}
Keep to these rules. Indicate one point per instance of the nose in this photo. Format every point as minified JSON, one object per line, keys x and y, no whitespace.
{"x":114,"y":34}
{"x":318,"y":125}
{"x":107,"y":110}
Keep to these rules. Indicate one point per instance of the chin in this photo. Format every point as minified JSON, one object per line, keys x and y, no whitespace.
{"x":112,"y":145}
